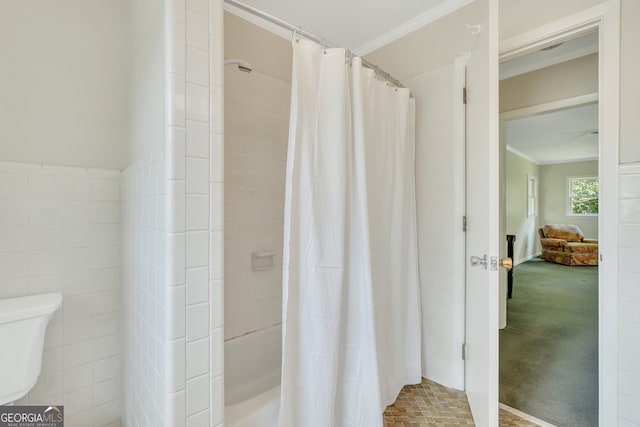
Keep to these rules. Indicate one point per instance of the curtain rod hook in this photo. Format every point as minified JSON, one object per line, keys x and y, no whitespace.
{"x":296,"y":33}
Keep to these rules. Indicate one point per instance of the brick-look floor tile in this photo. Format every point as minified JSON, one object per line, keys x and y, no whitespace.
{"x":430,"y":404}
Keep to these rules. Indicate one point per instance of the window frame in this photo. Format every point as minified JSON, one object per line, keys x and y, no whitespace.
{"x":532,"y":196}
{"x":570,"y":196}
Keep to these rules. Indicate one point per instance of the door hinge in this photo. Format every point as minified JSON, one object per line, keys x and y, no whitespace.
{"x":464,"y":95}
{"x":464,"y":223}
{"x":464,"y":351}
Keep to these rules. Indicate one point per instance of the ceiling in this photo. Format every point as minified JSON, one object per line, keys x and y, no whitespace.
{"x":556,"y":137}
{"x":358,"y":25}
{"x":566,"y":135}
{"x":387,"y":30}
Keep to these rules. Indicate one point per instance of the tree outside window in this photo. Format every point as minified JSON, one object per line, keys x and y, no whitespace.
{"x":583,"y":195}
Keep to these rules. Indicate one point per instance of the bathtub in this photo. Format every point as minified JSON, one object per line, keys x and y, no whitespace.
{"x":252,"y":367}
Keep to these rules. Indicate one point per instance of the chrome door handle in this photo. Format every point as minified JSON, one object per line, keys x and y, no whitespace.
{"x":476,"y":261}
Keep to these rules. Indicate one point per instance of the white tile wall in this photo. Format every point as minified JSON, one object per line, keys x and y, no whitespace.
{"x":144,"y":286}
{"x":256,"y":132}
{"x":60,"y":232}
{"x":439,"y":214}
{"x":173,"y":275}
{"x":629,"y":296}
{"x":194,"y":226}
{"x":216,"y":215}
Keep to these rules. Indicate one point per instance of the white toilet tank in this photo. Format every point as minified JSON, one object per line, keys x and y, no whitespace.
{"x":23,"y":323}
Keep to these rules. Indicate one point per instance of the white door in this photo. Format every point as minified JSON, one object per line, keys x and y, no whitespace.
{"x":482,"y":206}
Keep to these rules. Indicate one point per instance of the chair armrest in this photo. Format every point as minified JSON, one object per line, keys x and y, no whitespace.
{"x":590,"y":241}
{"x":548,"y":243}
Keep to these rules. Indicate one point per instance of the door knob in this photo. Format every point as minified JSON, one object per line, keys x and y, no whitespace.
{"x":476,"y":261}
{"x":506,"y":263}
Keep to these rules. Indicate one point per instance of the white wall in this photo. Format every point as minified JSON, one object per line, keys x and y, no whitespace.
{"x":83,"y":72}
{"x":517,"y":222}
{"x":64,"y":82}
{"x":64,"y":117}
{"x":417,"y":52}
{"x":143,"y":293}
{"x":439,"y":202}
{"x":629,"y":296}
{"x":59,"y":232}
{"x":216,"y":242}
{"x":629,"y":71}
{"x":143,"y":213}
{"x":553,"y":195}
{"x":268,"y":53}
{"x":174,"y":216}
{"x":520,"y":16}
{"x":629,"y":223}
{"x":143,"y":281}
{"x":256,"y":135}
{"x":194,"y":129}
{"x":146,"y":80}
{"x":557,"y":82}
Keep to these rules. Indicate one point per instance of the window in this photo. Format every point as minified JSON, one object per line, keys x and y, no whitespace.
{"x":583,"y":195}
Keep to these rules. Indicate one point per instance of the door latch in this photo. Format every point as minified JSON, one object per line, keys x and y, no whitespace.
{"x":505,"y":263}
{"x":476,"y":261}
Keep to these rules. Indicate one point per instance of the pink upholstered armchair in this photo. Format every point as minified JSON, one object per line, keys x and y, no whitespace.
{"x":565,"y":244}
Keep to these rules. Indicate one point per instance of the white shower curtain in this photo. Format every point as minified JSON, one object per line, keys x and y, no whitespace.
{"x":351,"y":305}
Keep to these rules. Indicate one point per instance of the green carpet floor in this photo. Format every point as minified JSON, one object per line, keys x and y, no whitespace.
{"x":549,"y":349}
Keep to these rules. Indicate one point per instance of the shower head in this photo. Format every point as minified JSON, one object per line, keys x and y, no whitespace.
{"x":242,"y":64}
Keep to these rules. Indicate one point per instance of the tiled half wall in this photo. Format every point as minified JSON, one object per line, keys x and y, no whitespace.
{"x":60,"y":232}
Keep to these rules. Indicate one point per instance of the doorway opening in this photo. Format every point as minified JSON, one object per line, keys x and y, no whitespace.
{"x":549,"y":132}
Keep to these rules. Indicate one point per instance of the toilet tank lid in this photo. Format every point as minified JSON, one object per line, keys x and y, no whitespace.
{"x":13,"y":309}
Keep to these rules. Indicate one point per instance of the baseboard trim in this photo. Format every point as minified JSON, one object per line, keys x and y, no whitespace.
{"x":525,"y":416}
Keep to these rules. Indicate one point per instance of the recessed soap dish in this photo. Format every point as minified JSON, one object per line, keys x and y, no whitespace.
{"x":262,"y":261}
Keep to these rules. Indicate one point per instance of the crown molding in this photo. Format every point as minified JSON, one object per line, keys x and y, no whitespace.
{"x":412,"y":25}
{"x":521,"y":154}
{"x":559,"y":162}
{"x":550,"y":162}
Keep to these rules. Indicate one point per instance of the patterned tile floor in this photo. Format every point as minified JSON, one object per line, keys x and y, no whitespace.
{"x":430,"y":404}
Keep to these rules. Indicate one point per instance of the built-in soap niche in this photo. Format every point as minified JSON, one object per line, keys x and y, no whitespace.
{"x":262,"y":261}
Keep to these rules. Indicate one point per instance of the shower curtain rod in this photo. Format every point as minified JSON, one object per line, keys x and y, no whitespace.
{"x":310,"y":36}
